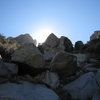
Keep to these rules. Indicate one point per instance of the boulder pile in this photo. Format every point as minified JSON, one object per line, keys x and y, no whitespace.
{"x":55,"y":70}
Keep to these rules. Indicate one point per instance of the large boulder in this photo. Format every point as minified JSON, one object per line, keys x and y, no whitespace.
{"x":65,"y":44}
{"x":51,"y":42}
{"x":29,"y":55}
{"x":64,"y":64}
{"x":26,"y":91}
{"x":25,"y":38}
{"x":83,"y":88}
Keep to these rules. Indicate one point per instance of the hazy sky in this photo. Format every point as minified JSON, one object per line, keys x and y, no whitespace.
{"x":75,"y":19}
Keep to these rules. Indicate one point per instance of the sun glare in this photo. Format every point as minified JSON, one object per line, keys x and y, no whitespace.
{"x":42,"y":34}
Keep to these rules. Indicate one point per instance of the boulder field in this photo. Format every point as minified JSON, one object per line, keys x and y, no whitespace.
{"x":53,"y":70}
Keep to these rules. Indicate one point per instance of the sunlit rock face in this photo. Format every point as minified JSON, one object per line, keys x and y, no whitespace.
{"x":25,"y":38}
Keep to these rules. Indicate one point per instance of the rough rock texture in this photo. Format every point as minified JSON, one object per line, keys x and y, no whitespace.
{"x":49,"y":55}
{"x":51,"y":42}
{"x":13,"y":68}
{"x":3,"y":70}
{"x":98,"y":77}
{"x":81,"y":59}
{"x":8,"y":69}
{"x":25,"y":38}
{"x":65,"y":44}
{"x":64,"y":64}
{"x":26,"y":91}
{"x":83,"y":88}
{"x":29,"y":55}
{"x":51,"y":79}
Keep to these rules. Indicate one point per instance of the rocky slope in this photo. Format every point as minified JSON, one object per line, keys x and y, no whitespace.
{"x":55,"y":70}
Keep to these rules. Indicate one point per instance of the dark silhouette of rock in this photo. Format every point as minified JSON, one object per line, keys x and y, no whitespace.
{"x":93,"y":46}
{"x":6,"y":54}
{"x":40,"y":48}
{"x":79,"y":46}
{"x":95,"y":35}
{"x":65,"y":44}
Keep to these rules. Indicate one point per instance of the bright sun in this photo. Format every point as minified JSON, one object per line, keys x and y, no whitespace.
{"x":42,"y":34}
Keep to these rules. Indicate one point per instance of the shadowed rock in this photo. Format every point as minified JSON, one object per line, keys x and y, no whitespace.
{"x":64,"y":64}
{"x":29,"y":55}
{"x":65,"y":44}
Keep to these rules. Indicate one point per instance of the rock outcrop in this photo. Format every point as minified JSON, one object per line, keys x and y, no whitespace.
{"x":25,"y":38}
{"x":79,"y":46}
{"x":52,"y":71}
{"x":51,"y":42}
{"x":65,"y":44}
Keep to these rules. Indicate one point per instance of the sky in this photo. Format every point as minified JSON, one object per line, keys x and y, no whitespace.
{"x":75,"y":19}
